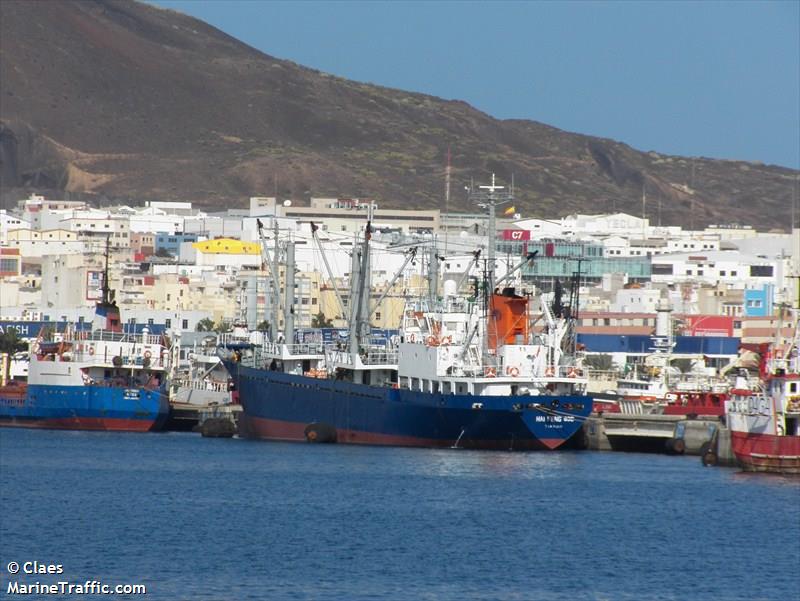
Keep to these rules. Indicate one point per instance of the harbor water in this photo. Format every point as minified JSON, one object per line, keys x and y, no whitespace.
{"x":194,"y":518}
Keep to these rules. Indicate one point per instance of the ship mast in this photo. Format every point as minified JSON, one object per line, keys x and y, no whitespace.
{"x":361,"y":286}
{"x":489,"y":197}
{"x":106,"y":290}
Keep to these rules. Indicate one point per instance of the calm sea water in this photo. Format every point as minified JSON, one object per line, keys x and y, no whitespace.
{"x":195,"y":518}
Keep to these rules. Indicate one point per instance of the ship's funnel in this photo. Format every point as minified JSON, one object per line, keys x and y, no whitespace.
{"x":508,"y":318}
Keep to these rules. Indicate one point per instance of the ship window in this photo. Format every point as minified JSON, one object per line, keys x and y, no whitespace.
{"x":793,"y":387}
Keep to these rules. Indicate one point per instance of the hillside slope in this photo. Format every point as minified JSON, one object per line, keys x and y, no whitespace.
{"x":127,"y":102}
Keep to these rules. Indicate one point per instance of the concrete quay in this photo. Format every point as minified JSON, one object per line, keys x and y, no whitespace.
{"x":704,"y":436}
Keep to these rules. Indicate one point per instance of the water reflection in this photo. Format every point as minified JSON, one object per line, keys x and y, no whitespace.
{"x":494,"y":464}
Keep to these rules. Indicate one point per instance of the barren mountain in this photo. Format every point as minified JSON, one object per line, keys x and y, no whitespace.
{"x":123,"y":101}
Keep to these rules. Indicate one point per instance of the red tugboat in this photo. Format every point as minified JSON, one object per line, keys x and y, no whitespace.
{"x":765,"y":423}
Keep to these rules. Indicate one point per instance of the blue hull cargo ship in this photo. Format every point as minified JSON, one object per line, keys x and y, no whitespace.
{"x":465,"y":371}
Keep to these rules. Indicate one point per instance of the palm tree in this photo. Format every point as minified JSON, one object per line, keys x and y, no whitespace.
{"x":205,"y":325}
{"x":11,"y":343}
{"x":320,"y":321}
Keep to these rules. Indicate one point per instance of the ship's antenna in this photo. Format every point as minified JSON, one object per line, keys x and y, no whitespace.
{"x":489,"y":198}
{"x":105,"y":288}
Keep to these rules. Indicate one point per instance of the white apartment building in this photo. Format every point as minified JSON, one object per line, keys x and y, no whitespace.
{"x":152,"y":220}
{"x":635,"y":300}
{"x":735,"y":269}
{"x":10,"y":222}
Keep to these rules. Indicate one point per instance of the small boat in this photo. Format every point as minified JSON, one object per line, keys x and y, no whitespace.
{"x":765,"y":421}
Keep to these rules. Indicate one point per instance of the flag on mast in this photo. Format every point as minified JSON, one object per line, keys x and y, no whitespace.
{"x":510,"y":211}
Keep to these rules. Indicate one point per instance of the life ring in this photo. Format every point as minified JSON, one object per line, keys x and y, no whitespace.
{"x":431,"y":341}
{"x":512,"y":371}
{"x":91,"y":350}
{"x":490,"y":372}
{"x":147,"y":354}
{"x":412,"y":337}
{"x":549,"y":372}
{"x":572,"y":373}
{"x":447,"y":340}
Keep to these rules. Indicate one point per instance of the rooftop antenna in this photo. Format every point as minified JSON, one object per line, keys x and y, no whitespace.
{"x":447,"y":197}
{"x":644,"y":211}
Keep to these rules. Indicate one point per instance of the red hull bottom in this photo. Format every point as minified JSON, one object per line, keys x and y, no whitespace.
{"x":767,"y":452}
{"x":269,"y":429}
{"x":88,"y":423}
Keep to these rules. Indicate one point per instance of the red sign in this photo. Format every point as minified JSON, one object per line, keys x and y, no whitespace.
{"x":516,"y":235}
{"x":709,"y":325}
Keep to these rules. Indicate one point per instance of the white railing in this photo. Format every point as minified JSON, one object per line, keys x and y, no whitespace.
{"x":207,"y":385}
{"x":108,"y":336}
{"x":307,"y":348}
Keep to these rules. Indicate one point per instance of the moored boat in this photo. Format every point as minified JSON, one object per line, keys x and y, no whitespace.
{"x":765,"y":421}
{"x":464,"y":372}
{"x":105,"y":379}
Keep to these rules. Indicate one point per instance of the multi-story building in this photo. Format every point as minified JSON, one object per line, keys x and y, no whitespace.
{"x":10,"y":222}
{"x":222,"y":253}
{"x":560,"y":259}
{"x":143,"y":244}
{"x":171,"y":243}
{"x":732,"y":268}
{"x":33,"y":243}
{"x":350,"y":215}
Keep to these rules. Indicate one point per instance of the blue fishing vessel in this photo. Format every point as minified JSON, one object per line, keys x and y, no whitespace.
{"x":465,"y":371}
{"x":105,"y":379}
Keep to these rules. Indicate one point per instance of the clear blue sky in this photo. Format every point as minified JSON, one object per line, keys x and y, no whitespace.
{"x":715,"y":79}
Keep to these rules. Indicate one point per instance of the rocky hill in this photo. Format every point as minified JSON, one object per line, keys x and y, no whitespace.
{"x":126,"y":102}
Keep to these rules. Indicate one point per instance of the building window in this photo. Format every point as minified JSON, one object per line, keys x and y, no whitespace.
{"x":150,"y":321}
{"x":761,"y":271}
{"x":185,"y":324}
{"x":168,"y":323}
